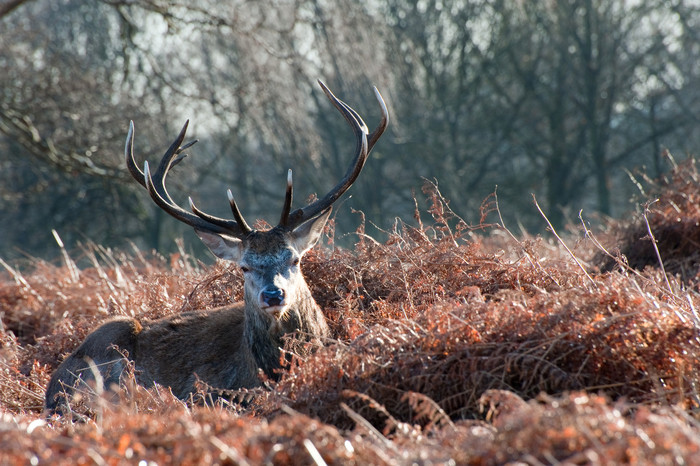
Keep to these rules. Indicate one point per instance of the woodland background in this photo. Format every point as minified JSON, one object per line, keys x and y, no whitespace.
{"x":463,"y":330}
{"x":566,"y":100}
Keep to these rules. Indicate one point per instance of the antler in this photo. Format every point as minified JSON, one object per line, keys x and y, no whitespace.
{"x":155,"y":184}
{"x":363,"y":147}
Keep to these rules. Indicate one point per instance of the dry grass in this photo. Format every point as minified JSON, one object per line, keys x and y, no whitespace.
{"x":673,"y":214}
{"x":448,"y":345}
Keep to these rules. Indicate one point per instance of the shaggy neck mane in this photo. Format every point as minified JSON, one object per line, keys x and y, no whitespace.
{"x":303,"y":321}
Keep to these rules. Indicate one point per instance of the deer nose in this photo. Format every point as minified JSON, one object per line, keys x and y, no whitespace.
{"x":274,"y":297}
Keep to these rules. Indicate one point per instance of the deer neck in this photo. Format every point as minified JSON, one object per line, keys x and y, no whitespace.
{"x":302,"y":321}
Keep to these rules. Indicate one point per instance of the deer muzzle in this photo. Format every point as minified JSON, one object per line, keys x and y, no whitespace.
{"x":272,"y":300}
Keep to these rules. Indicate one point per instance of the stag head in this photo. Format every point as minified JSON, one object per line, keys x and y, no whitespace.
{"x":270,"y":258}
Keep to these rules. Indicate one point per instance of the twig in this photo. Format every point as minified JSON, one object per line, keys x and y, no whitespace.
{"x":19,"y":279}
{"x":503,"y":225}
{"x":589,"y":234}
{"x":554,"y":232}
{"x":70,"y":265}
{"x":653,"y":243}
{"x":367,"y":426}
{"x":228,"y":451}
{"x":625,"y":267}
{"x":313,"y":451}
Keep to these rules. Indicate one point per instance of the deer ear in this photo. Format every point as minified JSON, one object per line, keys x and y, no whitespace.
{"x":223,"y":246}
{"x":305,"y":236}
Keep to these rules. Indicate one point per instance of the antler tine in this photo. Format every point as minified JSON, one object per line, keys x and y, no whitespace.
{"x":167,"y":162}
{"x":362,"y":149}
{"x":287,"y":200}
{"x":383,"y":123}
{"x":381,"y":127}
{"x":351,"y":116}
{"x":155,"y":185}
{"x":129,"y":154}
{"x":239,"y":227}
{"x":203,"y":222}
{"x":237,"y":214}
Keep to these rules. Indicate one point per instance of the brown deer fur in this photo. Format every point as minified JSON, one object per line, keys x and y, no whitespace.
{"x":222,"y":347}
{"x":226,"y":347}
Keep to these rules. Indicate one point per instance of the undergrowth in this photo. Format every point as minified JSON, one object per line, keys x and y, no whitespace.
{"x":450,"y":342}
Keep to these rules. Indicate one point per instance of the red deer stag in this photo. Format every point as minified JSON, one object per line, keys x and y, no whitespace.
{"x":222,"y":347}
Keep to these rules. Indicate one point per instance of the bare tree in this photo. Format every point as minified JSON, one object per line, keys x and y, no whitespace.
{"x":580,"y":71}
{"x":59,"y":131}
{"x":6,"y":7}
{"x":243,"y":72}
{"x":553,"y":98}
